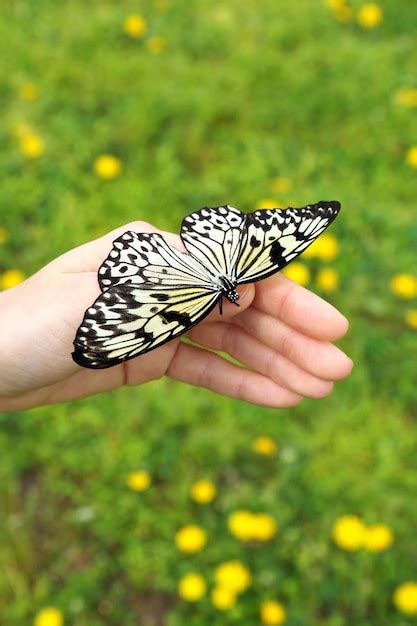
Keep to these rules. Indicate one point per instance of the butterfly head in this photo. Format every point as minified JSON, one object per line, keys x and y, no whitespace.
{"x":232,"y":296}
{"x":228,"y":290}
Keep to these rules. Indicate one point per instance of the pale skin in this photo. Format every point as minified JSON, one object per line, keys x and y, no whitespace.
{"x":282,"y":335}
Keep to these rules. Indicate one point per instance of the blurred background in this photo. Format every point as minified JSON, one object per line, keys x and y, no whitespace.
{"x":165,"y":505}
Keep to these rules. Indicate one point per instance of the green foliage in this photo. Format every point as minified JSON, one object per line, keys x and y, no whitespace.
{"x":244,"y":92}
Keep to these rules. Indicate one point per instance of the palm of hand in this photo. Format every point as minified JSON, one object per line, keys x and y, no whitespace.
{"x":281,"y":334}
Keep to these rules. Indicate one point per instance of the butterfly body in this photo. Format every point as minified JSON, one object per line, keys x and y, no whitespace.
{"x":228,"y":290}
{"x":153,"y":293}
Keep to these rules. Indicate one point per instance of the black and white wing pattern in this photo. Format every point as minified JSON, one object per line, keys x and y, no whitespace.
{"x":214,"y":237}
{"x":151,"y":294}
{"x":123,"y":323}
{"x":274,"y":237}
{"x":147,"y":259}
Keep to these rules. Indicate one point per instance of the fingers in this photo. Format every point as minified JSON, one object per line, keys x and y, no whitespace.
{"x":205,"y":369}
{"x":260,"y":357}
{"x":319,"y":358}
{"x":299,"y":308}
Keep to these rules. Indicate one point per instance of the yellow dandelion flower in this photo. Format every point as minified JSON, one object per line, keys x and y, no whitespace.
{"x":233,"y":575}
{"x":223,"y":598}
{"x":31,"y":145}
{"x":378,"y":538}
{"x":264,"y":527}
{"x":192,"y":587}
{"x":3,"y":235}
{"x":135,"y":25}
{"x":29,"y":92}
{"x":411,"y":156}
{"x":404,"y":286}
{"x":280,"y":184}
{"x":264,"y":445}
{"x":107,"y":166}
{"x":11,"y":278}
{"x":298,"y":272}
{"x":405,"y":598}
{"x":241,"y":525}
{"x":272,"y":613}
{"x":248,"y":526}
{"x":411,"y":318}
{"x":191,"y":539}
{"x":156,"y":45}
{"x":49,"y":616}
{"x":369,"y":15}
{"x":268,"y":203}
{"x":139,"y":480}
{"x":325,"y":248}
{"x":327,"y":279}
{"x":406,"y":96}
{"x":203,"y":491}
{"x":349,"y":532}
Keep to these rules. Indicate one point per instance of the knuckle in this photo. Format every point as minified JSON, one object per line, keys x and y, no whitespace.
{"x":241,"y":390}
{"x":286,"y":302}
{"x":205,"y":376}
{"x":230,"y":340}
{"x":271,"y":367}
{"x":287,"y":345}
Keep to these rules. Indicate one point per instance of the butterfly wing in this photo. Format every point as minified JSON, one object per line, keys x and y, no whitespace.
{"x":151,"y":294}
{"x":274,"y":237}
{"x":147,"y":259}
{"x":213,"y":236}
{"x":126,"y":322}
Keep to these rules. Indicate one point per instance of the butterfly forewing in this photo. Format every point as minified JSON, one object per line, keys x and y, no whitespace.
{"x":274,"y":237}
{"x":213,"y":236}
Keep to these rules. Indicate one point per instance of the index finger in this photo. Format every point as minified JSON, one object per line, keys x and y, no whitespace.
{"x":299,"y":308}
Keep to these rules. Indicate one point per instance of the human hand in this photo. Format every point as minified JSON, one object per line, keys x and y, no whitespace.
{"x":281,"y":335}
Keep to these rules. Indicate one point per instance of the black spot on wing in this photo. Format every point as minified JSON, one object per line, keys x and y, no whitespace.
{"x":173,"y":316}
{"x":255,"y":243}
{"x":161,"y":297}
{"x":276,"y":253}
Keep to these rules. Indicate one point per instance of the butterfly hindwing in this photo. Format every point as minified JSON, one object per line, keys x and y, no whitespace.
{"x":274,"y":237}
{"x":127,"y":321}
{"x":213,"y":236}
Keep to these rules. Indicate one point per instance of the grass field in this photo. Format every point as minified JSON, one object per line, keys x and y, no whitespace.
{"x":213,"y":103}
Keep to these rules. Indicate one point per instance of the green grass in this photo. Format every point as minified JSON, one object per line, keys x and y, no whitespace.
{"x":245,"y":91}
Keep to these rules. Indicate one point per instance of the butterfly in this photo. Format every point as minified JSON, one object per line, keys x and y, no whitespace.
{"x":152,"y":293}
